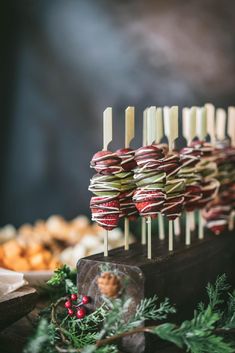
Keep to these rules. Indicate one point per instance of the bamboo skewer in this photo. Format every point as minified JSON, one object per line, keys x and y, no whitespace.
{"x":143,"y":231}
{"x":149,"y":248}
{"x":220,"y":124}
{"x":189,"y":132}
{"x":176,"y":222}
{"x":106,"y":241}
{"x":151,"y":125}
{"x":201,"y":128}
{"x":158,"y":137}
{"x":188,"y":231}
{"x":210,"y":112}
{"x":126,"y":233}
{"x":161,"y":227}
{"x":171,"y":236}
{"x":192,"y":223}
{"x":151,"y":112}
{"x":231,"y":134}
{"x":191,"y":135}
{"x":107,"y":138}
{"x":107,"y":128}
{"x":143,"y":220}
{"x":201,"y":226}
{"x":158,"y":125}
{"x":177,"y":228}
{"x":171,"y":131}
{"x":129,"y":125}
{"x":186,"y":124}
{"x":221,"y":119}
{"x":129,"y":135}
{"x":231,"y":125}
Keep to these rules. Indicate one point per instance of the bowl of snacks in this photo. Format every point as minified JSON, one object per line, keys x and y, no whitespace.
{"x":38,"y":249}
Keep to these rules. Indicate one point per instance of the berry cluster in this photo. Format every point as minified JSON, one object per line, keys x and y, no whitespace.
{"x":76,"y":307}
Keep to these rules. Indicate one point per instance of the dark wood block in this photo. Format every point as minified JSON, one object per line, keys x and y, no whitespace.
{"x":181,"y":275}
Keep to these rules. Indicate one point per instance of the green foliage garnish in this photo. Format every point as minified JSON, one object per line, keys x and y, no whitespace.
{"x":215,"y":292}
{"x":64,"y":280}
{"x":209,"y":331}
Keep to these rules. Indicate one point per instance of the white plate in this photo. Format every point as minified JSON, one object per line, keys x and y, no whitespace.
{"x":37,"y":278}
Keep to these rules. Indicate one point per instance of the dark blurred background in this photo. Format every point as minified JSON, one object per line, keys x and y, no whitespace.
{"x":63,"y":61}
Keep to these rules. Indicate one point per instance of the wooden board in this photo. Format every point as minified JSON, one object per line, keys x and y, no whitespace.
{"x":181,"y":275}
{"x":15,"y":305}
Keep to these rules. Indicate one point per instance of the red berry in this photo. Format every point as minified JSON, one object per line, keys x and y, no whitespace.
{"x":81,"y":313}
{"x":85,"y":299}
{"x":68,"y":304}
{"x":70,"y":312}
{"x":74,"y":296}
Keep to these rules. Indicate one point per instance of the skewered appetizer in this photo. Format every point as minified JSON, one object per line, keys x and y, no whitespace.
{"x":174,"y":187}
{"x":190,"y":157}
{"x":150,"y":180}
{"x":128,"y":186}
{"x":231,"y":158}
{"x":217,"y":213}
{"x":207,"y":169}
{"x":106,"y":186}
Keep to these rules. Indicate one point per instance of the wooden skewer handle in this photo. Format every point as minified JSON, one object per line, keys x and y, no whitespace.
{"x":107,"y":128}
{"x":170,"y":235}
{"x":149,"y":247}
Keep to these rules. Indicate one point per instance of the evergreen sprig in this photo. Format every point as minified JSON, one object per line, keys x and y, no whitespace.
{"x":63,"y":280}
{"x":215,"y":292}
{"x":228,"y":319}
{"x":209,"y":331}
{"x":199,"y":334}
{"x":148,"y":309}
{"x":89,"y":323}
{"x":196,"y":335}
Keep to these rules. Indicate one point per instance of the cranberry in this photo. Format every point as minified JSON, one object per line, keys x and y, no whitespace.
{"x":81,"y":313}
{"x":74,"y":296}
{"x":85,"y":299}
{"x":68,"y":304}
{"x":70,"y":312}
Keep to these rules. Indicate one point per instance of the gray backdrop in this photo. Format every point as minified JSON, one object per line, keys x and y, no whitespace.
{"x":64,"y":61}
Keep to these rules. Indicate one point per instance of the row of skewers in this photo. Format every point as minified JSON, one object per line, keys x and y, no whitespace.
{"x":157,"y":181}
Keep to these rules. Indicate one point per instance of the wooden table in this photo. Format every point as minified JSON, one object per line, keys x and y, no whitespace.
{"x":14,"y":337}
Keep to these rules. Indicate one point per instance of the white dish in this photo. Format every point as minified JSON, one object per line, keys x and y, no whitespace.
{"x":37,"y":278}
